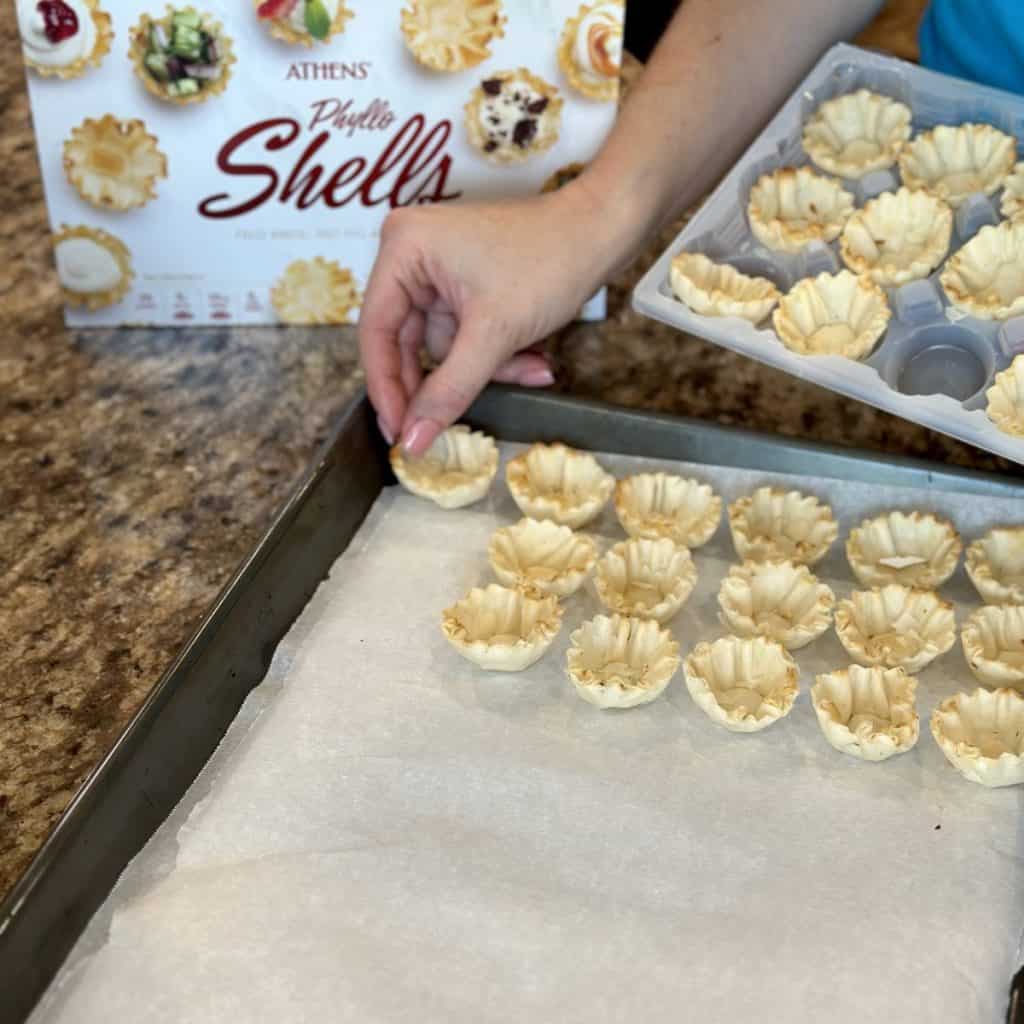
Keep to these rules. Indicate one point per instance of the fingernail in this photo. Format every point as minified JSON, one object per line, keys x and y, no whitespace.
{"x":420,"y":436}
{"x":538,"y":378}
{"x":385,"y":432}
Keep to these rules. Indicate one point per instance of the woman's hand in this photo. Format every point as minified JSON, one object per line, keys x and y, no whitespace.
{"x":477,"y":285}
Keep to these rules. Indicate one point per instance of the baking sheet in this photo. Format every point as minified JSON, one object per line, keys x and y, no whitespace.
{"x":388,"y":833}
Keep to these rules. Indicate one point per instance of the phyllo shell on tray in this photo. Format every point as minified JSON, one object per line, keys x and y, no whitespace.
{"x":867,"y":712}
{"x":742,"y":684}
{"x":717,"y":289}
{"x":620,"y":662}
{"x":645,"y":578}
{"x":856,"y":133}
{"x":995,"y":564}
{"x":956,"y":161}
{"x":840,"y":314}
{"x":783,"y":601}
{"x":665,"y":505}
{"x":896,"y":626}
{"x":502,"y":629}
{"x":985,"y":278}
{"x":456,"y":470}
{"x":1012,"y":205}
{"x":793,"y":206}
{"x":981,"y":734}
{"x":993,"y":643}
{"x":1006,"y":399}
{"x":772,"y":523}
{"x":554,"y":481}
{"x":915,"y":548}
{"x":897,"y":236}
{"x":538,"y":554}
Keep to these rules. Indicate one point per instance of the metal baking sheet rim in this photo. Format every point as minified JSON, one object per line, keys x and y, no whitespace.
{"x":170,"y":738}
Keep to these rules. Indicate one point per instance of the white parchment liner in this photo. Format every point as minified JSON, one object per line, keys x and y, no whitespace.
{"x":388,"y":833}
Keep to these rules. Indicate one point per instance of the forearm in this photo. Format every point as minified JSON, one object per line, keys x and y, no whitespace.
{"x":719,"y":72}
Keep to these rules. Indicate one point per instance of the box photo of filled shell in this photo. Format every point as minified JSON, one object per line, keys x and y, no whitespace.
{"x":234,"y":161}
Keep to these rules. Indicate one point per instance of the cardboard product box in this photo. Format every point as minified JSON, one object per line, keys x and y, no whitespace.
{"x":233,"y":161}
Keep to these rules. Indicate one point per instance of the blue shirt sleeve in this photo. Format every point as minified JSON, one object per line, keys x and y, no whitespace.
{"x":982,"y":40}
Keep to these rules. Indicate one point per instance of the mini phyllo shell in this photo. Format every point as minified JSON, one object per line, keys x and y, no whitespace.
{"x":981,"y":734}
{"x":1012,"y":205}
{"x":94,"y":267}
{"x":896,"y":626}
{"x":717,"y":289}
{"x":856,"y":133}
{"x":1005,"y":397}
{"x":553,"y":481}
{"x":915,"y":548}
{"x":303,"y":22}
{"x":792,"y":207}
{"x":775,"y":524}
{"x":501,"y":629}
{"x":452,"y":35}
{"x":956,"y":161}
{"x":897,"y":236}
{"x":620,"y":662}
{"x":783,"y":601}
{"x":742,"y":684}
{"x":867,"y":712}
{"x":840,"y":314}
{"x":456,"y":470}
{"x":647,"y":579}
{"x":664,"y":505}
{"x":986,"y":277}
{"x":995,"y":564}
{"x":993,"y":643}
{"x":537,"y":554}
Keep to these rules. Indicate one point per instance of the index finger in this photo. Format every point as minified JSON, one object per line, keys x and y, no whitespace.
{"x":386,"y":305}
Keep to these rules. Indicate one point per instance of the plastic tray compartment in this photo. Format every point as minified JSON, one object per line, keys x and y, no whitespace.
{"x":934,"y":364}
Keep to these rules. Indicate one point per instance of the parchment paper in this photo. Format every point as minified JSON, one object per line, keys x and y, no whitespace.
{"x":388,"y":833}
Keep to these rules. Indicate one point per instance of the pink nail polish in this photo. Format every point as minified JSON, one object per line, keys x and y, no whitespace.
{"x":420,"y":436}
{"x":538,"y":378}
{"x":385,"y":432}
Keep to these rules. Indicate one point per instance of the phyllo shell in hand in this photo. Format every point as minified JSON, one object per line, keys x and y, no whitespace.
{"x":993,"y":643}
{"x":742,"y":684}
{"x":897,"y":236}
{"x":915,"y":548}
{"x":717,"y":289}
{"x":840,"y":314}
{"x":537,"y":554}
{"x":792,"y":207}
{"x":995,"y":564}
{"x":553,"y":481}
{"x":867,"y":712}
{"x":856,"y":133}
{"x":456,"y":470}
{"x":502,"y":629}
{"x":645,"y":578}
{"x":664,"y":505}
{"x":620,"y":662}
{"x":981,"y":734}
{"x":773,"y":524}
{"x":986,"y":277}
{"x":896,"y":626}
{"x":956,"y":161}
{"x":783,"y":601}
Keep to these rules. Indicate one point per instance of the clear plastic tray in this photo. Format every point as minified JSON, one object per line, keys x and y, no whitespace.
{"x":934,"y":364}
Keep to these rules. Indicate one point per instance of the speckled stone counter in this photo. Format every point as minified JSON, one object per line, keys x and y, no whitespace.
{"x":137,"y":468}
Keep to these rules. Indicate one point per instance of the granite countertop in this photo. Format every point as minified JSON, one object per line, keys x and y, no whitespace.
{"x":138,"y":467}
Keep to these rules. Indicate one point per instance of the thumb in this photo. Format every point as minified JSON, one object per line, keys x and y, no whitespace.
{"x":448,"y":392}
